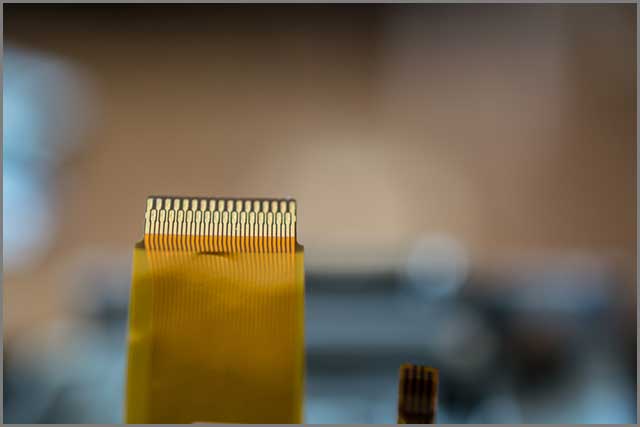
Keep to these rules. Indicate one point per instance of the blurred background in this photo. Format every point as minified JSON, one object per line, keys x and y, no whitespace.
{"x":465,"y":176}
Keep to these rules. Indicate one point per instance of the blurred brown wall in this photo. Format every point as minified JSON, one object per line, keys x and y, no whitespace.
{"x":509,"y":127}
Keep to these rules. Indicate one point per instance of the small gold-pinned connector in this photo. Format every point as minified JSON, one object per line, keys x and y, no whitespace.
{"x":417,"y":394}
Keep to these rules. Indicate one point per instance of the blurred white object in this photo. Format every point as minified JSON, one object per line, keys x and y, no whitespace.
{"x":27,"y":221}
{"x":44,"y":113}
{"x":438,"y":265}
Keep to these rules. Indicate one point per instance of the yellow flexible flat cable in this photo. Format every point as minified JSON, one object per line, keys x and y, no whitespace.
{"x":217,"y":313}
